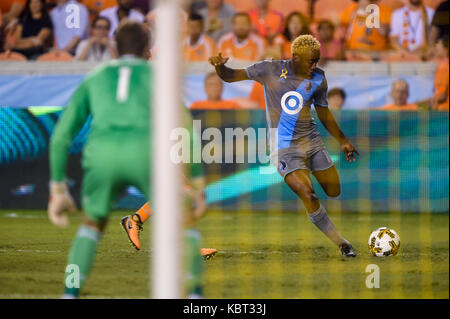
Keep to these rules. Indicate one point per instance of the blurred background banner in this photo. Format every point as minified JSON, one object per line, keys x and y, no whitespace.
{"x":404,"y":162}
{"x":367,"y":86}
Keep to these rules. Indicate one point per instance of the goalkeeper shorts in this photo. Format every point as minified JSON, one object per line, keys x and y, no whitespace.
{"x":108,"y":169}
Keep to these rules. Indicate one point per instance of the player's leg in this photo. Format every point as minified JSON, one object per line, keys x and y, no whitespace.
{"x":138,"y":174}
{"x":191,"y":236}
{"x":325,"y":173}
{"x":300,"y":182}
{"x":192,"y":262}
{"x":329,"y":180}
{"x":132,"y":224}
{"x":98,"y":194}
{"x":82,"y":255}
{"x":143,"y":213}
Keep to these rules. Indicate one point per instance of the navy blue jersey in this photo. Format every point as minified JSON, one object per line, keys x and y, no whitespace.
{"x":288,"y":104}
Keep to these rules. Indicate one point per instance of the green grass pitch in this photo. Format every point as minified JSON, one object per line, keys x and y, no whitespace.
{"x":261,"y":255}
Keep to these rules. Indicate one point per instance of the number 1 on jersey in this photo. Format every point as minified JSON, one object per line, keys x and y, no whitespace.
{"x":123,"y":84}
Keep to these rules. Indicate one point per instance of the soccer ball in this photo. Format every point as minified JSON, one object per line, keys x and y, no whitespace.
{"x":384,"y":242}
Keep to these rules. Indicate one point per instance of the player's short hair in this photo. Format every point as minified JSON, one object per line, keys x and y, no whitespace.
{"x":132,"y":38}
{"x":305,"y":42}
{"x":337,"y":91}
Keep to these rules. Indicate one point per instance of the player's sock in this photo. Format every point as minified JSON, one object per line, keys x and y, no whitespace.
{"x":322,"y":221}
{"x":193,"y":263}
{"x":81,"y":258}
{"x":143,"y":213}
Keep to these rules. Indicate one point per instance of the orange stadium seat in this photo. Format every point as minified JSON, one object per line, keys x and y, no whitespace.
{"x":323,"y":9}
{"x":12,"y":56}
{"x":56,"y":56}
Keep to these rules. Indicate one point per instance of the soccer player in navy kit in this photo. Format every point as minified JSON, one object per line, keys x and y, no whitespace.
{"x":290,"y":88}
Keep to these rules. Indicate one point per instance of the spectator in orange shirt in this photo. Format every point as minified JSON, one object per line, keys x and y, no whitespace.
{"x":400,"y":94}
{"x":330,"y":47}
{"x":266,"y":22}
{"x":255,"y":99}
{"x":363,"y":43}
{"x":213,"y":90}
{"x":96,"y":6}
{"x":441,"y":84}
{"x":197,"y":45}
{"x":257,"y":95}
{"x":241,"y":44}
{"x":440,"y":24}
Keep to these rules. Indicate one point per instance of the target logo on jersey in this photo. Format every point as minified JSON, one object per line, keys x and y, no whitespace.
{"x":292,"y":102}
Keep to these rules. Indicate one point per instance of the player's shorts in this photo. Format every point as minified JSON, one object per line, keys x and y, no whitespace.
{"x":108,"y":168}
{"x":290,"y":160}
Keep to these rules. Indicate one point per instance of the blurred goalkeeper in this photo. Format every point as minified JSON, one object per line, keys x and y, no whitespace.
{"x":117,"y":152}
{"x":291,"y":87}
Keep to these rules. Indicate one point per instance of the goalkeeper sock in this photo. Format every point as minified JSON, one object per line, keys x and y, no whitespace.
{"x":322,"y":221}
{"x":143,"y":213}
{"x":81,"y":258}
{"x":193,"y":262}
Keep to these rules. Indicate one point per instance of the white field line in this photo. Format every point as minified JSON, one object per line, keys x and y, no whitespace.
{"x":43,"y":296}
{"x":16,"y":215}
{"x":30,"y":251}
{"x":221,"y":252}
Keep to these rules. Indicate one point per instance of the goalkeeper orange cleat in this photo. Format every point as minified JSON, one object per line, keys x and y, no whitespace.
{"x":132,"y":226}
{"x":208,"y":252}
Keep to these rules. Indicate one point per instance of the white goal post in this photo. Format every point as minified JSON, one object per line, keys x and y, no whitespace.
{"x":166,"y":178}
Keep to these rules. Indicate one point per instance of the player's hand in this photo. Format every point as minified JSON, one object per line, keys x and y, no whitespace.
{"x":349,"y":151}
{"x":195,"y":200}
{"x":199,"y":203}
{"x":218,"y":60}
{"x":59,"y":204}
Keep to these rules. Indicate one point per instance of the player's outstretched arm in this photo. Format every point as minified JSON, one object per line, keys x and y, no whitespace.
{"x":70,"y":123}
{"x":328,"y":120}
{"x":225,"y":73}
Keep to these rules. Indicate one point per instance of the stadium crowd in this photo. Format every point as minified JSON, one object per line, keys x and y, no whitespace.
{"x":408,"y":30}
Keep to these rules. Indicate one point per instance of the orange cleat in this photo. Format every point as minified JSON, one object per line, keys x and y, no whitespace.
{"x":208,"y":253}
{"x":132,"y":226}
